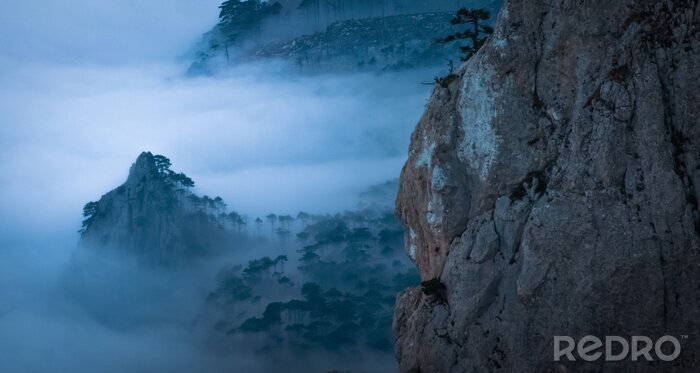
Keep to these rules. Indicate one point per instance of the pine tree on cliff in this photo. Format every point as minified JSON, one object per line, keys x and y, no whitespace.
{"x":89,"y":211}
{"x":183,"y":180}
{"x":476,"y":32}
{"x":162,"y":163}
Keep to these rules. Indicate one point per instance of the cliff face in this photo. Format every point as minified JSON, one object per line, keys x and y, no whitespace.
{"x":553,"y":188}
{"x":152,"y":218}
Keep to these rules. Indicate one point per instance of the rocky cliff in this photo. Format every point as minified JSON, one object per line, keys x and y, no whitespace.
{"x":154,"y":217}
{"x":552,"y":187}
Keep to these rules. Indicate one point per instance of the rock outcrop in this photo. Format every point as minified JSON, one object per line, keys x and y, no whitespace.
{"x":552,"y":187}
{"x":153,"y":217}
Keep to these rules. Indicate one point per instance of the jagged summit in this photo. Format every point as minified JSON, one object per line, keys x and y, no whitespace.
{"x":150,"y":168}
{"x":155,"y":216}
{"x":144,"y":165}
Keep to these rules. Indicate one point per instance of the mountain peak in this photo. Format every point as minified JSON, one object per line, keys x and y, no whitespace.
{"x":148,"y":165}
{"x":144,"y":158}
{"x":151,"y":214}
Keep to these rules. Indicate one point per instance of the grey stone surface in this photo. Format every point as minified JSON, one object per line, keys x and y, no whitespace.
{"x":553,"y":188}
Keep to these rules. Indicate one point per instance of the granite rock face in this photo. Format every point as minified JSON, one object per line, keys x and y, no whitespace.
{"x":553,"y":188}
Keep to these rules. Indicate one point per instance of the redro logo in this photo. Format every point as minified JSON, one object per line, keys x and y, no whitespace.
{"x":587,"y":347}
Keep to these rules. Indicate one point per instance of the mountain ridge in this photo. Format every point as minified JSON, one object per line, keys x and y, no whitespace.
{"x":337,"y":36}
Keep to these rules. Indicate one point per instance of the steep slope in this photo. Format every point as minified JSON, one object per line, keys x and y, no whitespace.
{"x":154,"y":217}
{"x":552,"y":187}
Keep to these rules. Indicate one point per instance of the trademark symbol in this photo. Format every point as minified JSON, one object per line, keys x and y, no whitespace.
{"x":684,"y":336}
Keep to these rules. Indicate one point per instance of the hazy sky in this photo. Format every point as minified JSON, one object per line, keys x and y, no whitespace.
{"x":85,"y":86}
{"x":104,"y":31}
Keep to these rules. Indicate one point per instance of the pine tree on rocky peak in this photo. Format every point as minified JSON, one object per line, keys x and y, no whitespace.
{"x":154,"y":216}
{"x":162,"y":164}
{"x":89,"y":211}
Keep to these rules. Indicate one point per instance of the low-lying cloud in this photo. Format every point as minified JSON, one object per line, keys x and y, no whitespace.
{"x":263,"y":140}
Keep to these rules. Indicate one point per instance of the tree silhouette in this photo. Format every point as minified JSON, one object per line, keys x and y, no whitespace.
{"x":181,"y":178}
{"x":272,"y":218}
{"x":196,"y":202}
{"x":476,"y":33}
{"x":286,"y":221}
{"x":308,"y":254}
{"x":257,"y":267}
{"x":89,"y":211}
{"x":286,"y":281}
{"x":186,"y":181}
{"x":206,"y":202}
{"x":219,"y":205}
{"x":304,"y":218}
{"x":233,"y":217}
{"x":281,"y":259}
{"x":303,"y":236}
{"x":284,"y":233}
{"x":258,"y":225}
{"x":233,"y":287}
{"x":312,"y":291}
{"x":162,"y":164}
{"x":241,"y":222}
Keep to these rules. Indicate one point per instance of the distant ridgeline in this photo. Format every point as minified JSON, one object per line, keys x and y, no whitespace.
{"x":334,"y":35}
{"x":155,"y":216}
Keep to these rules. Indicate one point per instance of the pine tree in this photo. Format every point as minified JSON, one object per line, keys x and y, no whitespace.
{"x":476,"y":32}
{"x":258,"y":225}
{"x":162,"y":164}
{"x":89,"y":211}
{"x":272,"y":218}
